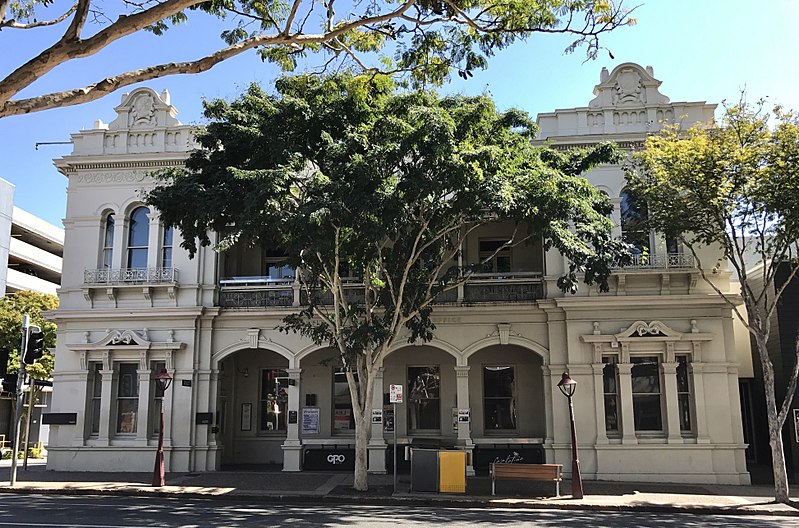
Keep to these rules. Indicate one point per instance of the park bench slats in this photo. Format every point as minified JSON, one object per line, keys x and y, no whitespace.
{"x":551,"y":472}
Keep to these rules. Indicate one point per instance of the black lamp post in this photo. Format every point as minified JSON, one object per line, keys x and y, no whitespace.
{"x":163,"y":380}
{"x":567,"y":387}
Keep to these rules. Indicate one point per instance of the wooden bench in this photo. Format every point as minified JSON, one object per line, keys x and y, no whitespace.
{"x":552,"y":472}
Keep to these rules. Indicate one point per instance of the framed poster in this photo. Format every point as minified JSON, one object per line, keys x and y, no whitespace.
{"x":310,"y":420}
{"x":246,"y":416}
{"x":388,"y":420}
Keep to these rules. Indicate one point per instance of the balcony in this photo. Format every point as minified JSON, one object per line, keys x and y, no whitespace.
{"x":510,"y":287}
{"x":100,"y":277}
{"x":659,"y":262}
{"x":263,"y":292}
{"x":125,"y":279}
{"x":670,"y":274}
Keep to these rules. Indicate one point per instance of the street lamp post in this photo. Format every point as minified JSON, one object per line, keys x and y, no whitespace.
{"x":163,"y":380}
{"x":567,"y":387}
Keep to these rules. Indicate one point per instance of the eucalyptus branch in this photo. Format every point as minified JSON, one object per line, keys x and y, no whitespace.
{"x":13,"y":24}
{"x":74,"y":30}
{"x":290,"y":19}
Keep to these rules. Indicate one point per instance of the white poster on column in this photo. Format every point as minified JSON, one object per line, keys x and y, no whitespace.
{"x":310,"y":420}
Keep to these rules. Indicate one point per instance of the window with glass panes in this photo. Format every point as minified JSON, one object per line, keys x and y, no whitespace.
{"x":647,"y":409}
{"x":127,"y":400}
{"x":343,"y":417}
{"x":274,"y":399}
{"x":157,"y":398}
{"x":96,"y":390}
{"x":684,"y":393}
{"x":499,"y":404}
{"x":610,"y":389}
{"x":424,"y":398}
{"x":138,"y":238}
{"x":108,"y":241}
{"x":166,"y":247}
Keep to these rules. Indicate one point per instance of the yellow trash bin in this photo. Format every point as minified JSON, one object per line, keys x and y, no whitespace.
{"x":452,"y":471}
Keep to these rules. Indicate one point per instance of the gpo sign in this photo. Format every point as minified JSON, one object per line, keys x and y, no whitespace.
{"x":336,"y":459}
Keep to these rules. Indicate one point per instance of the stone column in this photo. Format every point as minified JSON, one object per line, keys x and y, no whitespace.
{"x":698,"y":378}
{"x":626,"y":403}
{"x":143,"y":418}
{"x":118,"y":253}
{"x":292,"y":447}
{"x":465,"y":428}
{"x":672,"y":406}
{"x":154,"y":241}
{"x":599,"y":398}
{"x":377,"y":443}
{"x":106,"y":407}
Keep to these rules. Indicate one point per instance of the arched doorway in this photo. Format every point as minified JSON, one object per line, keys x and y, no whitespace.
{"x":253,"y":398}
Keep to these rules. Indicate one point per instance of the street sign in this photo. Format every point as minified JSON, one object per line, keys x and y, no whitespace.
{"x":395,"y":394}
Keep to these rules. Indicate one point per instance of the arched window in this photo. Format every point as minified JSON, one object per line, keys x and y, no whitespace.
{"x":166,"y":247}
{"x":633,"y":218}
{"x":108,"y":241}
{"x":138,"y":238}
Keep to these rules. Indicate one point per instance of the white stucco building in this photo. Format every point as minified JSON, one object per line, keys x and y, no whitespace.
{"x":654,"y":358}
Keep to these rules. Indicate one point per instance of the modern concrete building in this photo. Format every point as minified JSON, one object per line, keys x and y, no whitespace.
{"x":654,"y":358}
{"x":31,"y":251}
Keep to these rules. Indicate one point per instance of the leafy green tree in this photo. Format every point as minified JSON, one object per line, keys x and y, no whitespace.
{"x":350,"y":177}
{"x":424,"y":39}
{"x":735,"y":186}
{"x":12,"y":308}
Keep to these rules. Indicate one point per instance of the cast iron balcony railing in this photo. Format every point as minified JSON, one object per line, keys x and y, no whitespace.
{"x":255,"y":292}
{"x":510,"y":287}
{"x":669,"y":261}
{"x":98,"y":277}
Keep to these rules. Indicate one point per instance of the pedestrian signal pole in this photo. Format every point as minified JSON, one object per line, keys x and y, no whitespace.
{"x":23,"y":345}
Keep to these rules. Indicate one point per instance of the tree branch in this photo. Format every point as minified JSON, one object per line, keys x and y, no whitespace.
{"x":13,"y":24}
{"x":44,"y":62}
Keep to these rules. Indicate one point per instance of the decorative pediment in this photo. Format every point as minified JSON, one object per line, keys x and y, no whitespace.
{"x":123,"y":338}
{"x":628,"y":85}
{"x":144,"y":108}
{"x":126,"y":340}
{"x":644,"y":329}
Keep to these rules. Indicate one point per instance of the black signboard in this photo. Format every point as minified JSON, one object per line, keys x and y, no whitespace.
{"x":203,"y":418}
{"x":329,"y":459}
{"x":527,"y":454}
{"x":60,"y":418}
{"x":292,"y":417}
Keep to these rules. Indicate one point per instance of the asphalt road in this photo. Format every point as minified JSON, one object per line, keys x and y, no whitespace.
{"x":57,"y":511}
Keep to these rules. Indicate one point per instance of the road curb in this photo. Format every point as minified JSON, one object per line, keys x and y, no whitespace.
{"x":448,"y":502}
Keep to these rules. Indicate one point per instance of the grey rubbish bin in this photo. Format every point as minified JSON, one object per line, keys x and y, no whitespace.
{"x":424,"y":469}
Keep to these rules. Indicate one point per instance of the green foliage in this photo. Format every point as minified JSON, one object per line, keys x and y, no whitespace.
{"x":346,"y":168}
{"x":734,"y":185}
{"x":12,"y":308}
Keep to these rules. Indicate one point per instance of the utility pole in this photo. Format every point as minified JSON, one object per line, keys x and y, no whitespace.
{"x":20,"y":397}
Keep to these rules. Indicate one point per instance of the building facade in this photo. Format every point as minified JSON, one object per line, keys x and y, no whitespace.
{"x":31,"y":251}
{"x":654,"y":358}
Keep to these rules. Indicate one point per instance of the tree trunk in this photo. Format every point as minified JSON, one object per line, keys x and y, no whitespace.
{"x":363,"y":427}
{"x":774,"y":428}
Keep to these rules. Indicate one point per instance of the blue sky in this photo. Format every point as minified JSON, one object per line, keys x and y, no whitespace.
{"x":702,"y":50}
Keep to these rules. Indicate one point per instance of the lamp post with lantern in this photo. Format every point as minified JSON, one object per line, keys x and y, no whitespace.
{"x":567,"y":386}
{"x":162,"y":380}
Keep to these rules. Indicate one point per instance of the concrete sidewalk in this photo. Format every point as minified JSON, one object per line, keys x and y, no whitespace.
{"x":321,"y":487}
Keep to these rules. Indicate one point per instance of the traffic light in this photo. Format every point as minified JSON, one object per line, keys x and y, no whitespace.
{"x":35,"y":347}
{"x":10,"y":383}
{"x":3,"y":361}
